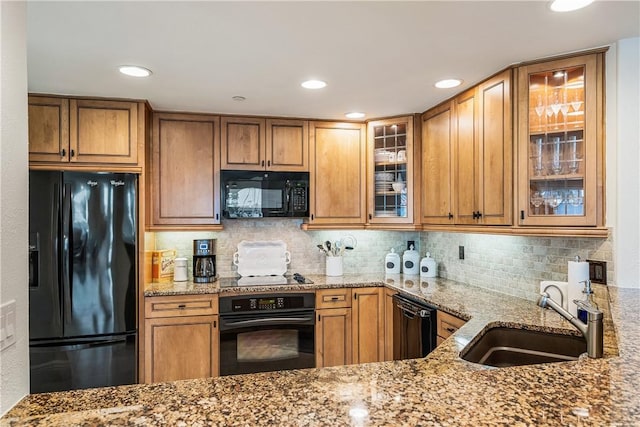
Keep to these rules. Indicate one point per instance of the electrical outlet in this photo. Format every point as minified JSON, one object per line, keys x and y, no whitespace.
{"x":597,"y":271}
{"x":411,"y":243}
{"x":461,"y":252}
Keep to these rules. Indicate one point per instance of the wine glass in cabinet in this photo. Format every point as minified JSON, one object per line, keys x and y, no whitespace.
{"x":560,"y":142}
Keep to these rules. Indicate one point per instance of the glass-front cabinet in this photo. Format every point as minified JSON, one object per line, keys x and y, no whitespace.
{"x":560,"y":130}
{"x":390,"y":183}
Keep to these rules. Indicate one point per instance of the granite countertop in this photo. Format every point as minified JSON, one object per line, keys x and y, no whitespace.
{"x":441,"y":389}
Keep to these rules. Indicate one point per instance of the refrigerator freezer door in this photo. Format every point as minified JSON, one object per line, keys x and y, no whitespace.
{"x":45,"y":316}
{"x":70,"y":365}
{"x":99,"y":291}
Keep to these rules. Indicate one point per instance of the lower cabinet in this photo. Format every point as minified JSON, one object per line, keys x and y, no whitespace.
{"x":390,"y":323}
{"x":333,"y":327}
{"x":181,"y":337}
{"x":447,"y":325}
{"x":350,"y":326}
{"x":367,"y":313}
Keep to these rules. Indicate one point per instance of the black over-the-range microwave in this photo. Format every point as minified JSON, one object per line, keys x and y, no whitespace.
{"x":253,"y":194}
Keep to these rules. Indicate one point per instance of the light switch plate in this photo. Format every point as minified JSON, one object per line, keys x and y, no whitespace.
{"x":7,"y":324}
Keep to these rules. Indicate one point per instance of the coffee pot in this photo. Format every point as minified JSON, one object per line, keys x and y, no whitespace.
{"x":204,"y":260}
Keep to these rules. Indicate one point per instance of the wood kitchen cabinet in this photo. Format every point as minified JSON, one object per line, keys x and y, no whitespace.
{"x":287,"y":147}
{"x":337,"y":173}
{"x":390,"y":180}
{"x":85,"y":131}
{"x":181,"y":337}
{"x":391,"y":323}
{"x":437,"y":155}
{"x":185,"y":170}
{"x":447,"y":325}
{"x":367,"y":310}
{"x":333,"y":327}
{"x":560,"y":142}
{"x":467,"y":157}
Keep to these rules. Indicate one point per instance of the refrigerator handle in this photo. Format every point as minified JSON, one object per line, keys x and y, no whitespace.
{"x":67,"y":247}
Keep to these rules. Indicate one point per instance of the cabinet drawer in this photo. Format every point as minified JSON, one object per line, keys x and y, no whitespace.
{"x":181,"y":305}
{"x":333,"y":298}
{"x":448,"y":324}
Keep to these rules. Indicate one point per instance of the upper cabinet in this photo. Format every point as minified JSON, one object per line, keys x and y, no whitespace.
{"x":85,"y":131}
{"x":560,"y":132}
{"x":467,"y":157}
{"x":259,"y":144}
{"x":185,"y":170}
{"x":390,"y":180}
{"x":337,"y":173}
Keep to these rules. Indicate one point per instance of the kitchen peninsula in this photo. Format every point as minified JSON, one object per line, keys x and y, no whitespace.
{"x":436,"y":390}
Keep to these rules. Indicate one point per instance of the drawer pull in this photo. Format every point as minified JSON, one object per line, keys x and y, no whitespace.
{"x":334,"y":298}
{"x":452,"y":330}
{"x":181,"y":306}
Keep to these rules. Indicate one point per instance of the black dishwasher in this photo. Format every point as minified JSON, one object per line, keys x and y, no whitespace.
{"x":415,"y":334}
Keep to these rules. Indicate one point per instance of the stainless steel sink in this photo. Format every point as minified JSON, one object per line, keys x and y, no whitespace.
{"x":503,"y":346}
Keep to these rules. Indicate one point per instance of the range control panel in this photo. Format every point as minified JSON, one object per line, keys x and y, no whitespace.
{"x":266,"y":303}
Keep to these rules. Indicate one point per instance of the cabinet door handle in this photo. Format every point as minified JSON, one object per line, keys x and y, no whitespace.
{"x":370,"y":216}
{"x":63,"y":153}
{"x":268,"y":162}
{"x":73,"y":153}
{"x":521,"y":214}
{"x":474,"y":215}
{"x":215,"y":324}
{"x":262,"y":163}
{"x":479,"y":214}
{"x":319,"y":318}
{"x":217,"y":217}
{"x":450,"y":215}
{"x":311,"y":217}
{"x":355,"y":296}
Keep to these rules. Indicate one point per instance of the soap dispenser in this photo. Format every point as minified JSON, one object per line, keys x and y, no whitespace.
{"x":392,"y":263}
{"x":428,"y":267}
{"x":411,"y":262}
{"x":588,"y":301}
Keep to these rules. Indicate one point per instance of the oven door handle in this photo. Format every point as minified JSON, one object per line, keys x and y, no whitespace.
{"x":280,"y":320}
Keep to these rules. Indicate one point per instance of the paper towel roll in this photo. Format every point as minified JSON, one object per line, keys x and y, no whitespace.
{"x":558,"y":291}
{"x":578,"y":272}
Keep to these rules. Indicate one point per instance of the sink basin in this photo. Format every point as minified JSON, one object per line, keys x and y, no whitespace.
{"x":503,"y":346}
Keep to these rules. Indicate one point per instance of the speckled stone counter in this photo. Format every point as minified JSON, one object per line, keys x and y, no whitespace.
{"x":441,"y":389}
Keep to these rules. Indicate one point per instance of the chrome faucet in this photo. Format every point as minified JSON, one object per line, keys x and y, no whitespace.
{"x":593,"y":330}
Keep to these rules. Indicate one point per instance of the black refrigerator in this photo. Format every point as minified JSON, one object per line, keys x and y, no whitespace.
{"x":82,"y":280}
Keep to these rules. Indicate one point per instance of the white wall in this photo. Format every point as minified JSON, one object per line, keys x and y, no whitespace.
{"x":623,"y":158}
{"x":14,"y":182}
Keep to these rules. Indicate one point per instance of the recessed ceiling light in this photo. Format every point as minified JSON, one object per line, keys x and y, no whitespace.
{"x":354,"y":115}
{"x":134,"y":71}
{"x":313,"y":84}
{"x":448,"y":83}
{"x":568,"y":5}
{"x":238,"y":98}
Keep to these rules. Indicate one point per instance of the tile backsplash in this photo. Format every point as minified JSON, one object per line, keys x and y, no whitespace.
{"x":306,"y":258}
{"x":514,"y":265}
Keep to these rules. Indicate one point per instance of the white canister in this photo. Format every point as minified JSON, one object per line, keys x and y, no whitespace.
{"x":411,"y":262}
{"x":428,"y":266}
{"x":334,"y":266}
{"x":180,"y":270}
{"x":392,"y":262}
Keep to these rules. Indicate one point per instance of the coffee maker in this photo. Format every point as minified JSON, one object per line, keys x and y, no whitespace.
{"x":204,"y":260}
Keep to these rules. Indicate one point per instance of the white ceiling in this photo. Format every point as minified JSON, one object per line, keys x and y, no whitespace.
{"x":378,"y":57}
